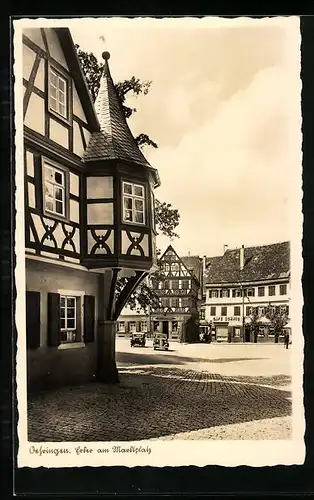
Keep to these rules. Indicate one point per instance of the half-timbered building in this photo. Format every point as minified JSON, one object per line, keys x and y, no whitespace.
{"x":179,"y":290}
{"x":88,"y":207}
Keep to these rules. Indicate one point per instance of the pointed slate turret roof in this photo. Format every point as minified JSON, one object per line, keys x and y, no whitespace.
{"x":115,"y":140}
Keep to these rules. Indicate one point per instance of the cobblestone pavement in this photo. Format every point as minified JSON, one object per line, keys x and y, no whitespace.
{"x":162,"y":400}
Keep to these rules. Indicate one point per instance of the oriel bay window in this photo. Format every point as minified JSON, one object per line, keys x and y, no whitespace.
{"x":55,"y":189}
{"x":133,"y":203}
{"x":58,"y":91}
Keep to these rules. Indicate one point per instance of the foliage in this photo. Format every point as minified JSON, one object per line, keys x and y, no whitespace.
{"x":191,"y":332}
{"x":93,"y":71}
{"x":278,"y":320}
{"x":254,"y":322}
{"x":167,"y":218}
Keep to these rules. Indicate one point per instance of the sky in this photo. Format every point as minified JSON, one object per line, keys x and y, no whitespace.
{"x":224,"y":109}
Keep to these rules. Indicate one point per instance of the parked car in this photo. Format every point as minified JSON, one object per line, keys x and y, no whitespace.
{"x":138,"y":338}
{"x":161,"y":341}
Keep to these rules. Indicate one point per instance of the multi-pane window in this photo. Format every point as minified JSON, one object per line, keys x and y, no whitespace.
{"x":132,"y":326}
{"x":224,"y":311}
{"x":174,"y":302}
{"x":143,"y":326}
{"x":249,"y":311}
{"x":54,"y":189}
{"x":250,"y":292}
{"x":174,"y":284}
{"x":133,"y":203}
{"x":237,"y":310}
{"x":236,"y":292}
{"x":261,"y":291}
{"x":68,"y":325}
{"x":213,"y":311}
{"x":272,"y":290}
{"x":261,"y":311}
{"x":174,"y":326}
{"x":121,"y":326}
{"x":166,"y":284}
{"x":175,"y":267}
{"x":165,"y":302}
{"x":58,"y":93}
{"x":283,"y":289}
{"x":213,"y":294}
{"x":184,"y":302}
{"x":185,"y":284}
{"x":224,"y":293}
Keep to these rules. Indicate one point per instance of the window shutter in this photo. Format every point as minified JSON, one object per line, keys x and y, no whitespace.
{"x":33,"y":319}
{"x":54,"y":337}
{"x":89,"y":318}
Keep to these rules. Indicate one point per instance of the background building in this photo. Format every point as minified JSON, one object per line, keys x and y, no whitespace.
{"x":180,"y":293}
{"x":242,"y":280}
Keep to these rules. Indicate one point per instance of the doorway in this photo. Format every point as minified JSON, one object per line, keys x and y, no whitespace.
{"x":247,"y":335}
{"x":165,"y":327}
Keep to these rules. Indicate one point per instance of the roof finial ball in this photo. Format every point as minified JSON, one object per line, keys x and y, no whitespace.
{"x":105,"y":55}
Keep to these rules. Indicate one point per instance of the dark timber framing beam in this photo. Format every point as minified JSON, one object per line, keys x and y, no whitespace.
{"x":114,"y":278}
{"x":127,"y":291}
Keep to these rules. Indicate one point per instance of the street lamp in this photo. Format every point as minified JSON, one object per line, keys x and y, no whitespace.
{"x":118,"y":237}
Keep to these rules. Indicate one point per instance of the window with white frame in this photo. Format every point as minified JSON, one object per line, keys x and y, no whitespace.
{"x":121,"y":326}
{"x":224,"y":293}
{"x":144,"y":326}
{"x":54,"y":189}
{"x":132,"y":326}
{"x":68,"y":319}
{"x":185,"y":284}
{"x":283,"y":289}
{"x":133,"y":203}
{"x":213,"y":311}
{"x":236,"y":292}
{"x":250,"y":292}
{"x":261,"y":311}
{"x":58,"y":93}
{"x":213,"y":294}
{"x":272,"y":290}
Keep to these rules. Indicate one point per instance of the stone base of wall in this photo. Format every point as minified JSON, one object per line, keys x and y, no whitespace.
{"x":50,"y":367}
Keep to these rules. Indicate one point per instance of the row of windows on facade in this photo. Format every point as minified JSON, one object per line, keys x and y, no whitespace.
{"x":142,"y":326}
{"x":261,"y":310}
{"x":56,"y":194}
{"x":175,"y":302}
{"x":174,"y":284}
{"x":167,"y":266}
{"x":248,"y":292}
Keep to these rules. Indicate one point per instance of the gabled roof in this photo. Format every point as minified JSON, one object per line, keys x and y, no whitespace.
{"x":114,"y":141}
{"x":190,"y":263}
{"x":194,"y":264}
{"x":77,"y":74}
{"x":267,"y":262}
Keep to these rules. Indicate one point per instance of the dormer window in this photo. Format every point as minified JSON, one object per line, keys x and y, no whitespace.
{"x":58,"y":93}
{"x":133,"y":203}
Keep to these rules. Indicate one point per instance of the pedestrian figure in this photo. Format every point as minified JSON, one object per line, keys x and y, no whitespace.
{"x":287,"y":340}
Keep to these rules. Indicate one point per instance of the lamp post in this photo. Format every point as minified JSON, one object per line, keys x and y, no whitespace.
{"x":118,"y":237}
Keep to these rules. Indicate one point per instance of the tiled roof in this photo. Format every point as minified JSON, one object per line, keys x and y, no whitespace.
{"x":194,"y":265}
{"x":115,"y":140}
{"x":266,"y":262}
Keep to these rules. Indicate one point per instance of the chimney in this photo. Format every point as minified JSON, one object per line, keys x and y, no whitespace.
{"x":225,"y":248}
{"x":242,"y":258}
{"x":204,"y":263}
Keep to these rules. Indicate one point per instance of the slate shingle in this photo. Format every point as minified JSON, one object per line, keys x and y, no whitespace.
{"x":115,"y":140}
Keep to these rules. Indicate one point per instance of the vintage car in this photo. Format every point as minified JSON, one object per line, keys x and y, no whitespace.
{"x":161,"y":341}
{"x":138,"y":338}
